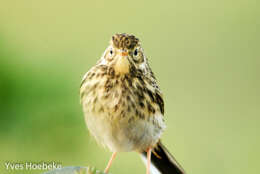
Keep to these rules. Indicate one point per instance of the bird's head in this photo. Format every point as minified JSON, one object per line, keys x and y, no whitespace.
{"x":124,"y":52}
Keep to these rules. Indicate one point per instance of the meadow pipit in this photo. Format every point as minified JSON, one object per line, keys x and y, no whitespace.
{"x":124,"y":106}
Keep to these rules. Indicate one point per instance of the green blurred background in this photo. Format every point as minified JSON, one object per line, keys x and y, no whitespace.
{"x":205,"y":55}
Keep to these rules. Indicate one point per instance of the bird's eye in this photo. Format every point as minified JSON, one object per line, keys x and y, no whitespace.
{"x":111,"y":52}
{"x":135,"y":52}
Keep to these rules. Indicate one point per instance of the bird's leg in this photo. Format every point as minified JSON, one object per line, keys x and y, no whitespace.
{"x":149,"y":151}
{"x":110,"y":162}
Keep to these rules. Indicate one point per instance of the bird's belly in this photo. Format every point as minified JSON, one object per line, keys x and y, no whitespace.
{"x":120,"y":135}
{"x":119,"y":117}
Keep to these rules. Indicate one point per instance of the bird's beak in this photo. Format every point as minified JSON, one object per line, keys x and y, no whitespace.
{"x":123,"y":53}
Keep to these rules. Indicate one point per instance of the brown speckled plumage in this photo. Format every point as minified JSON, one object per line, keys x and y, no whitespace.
{"x":124,"y":41}
{"x":122,"y":102}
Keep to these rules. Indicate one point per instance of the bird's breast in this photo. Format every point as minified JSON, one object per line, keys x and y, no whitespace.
{"x":119,"y":112}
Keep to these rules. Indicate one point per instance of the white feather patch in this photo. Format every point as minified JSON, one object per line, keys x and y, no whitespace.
{"x":143,"y":66}
{"x":103,"y":61}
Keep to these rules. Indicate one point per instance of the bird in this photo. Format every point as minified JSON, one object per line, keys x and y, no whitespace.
{"x":123,"y":105}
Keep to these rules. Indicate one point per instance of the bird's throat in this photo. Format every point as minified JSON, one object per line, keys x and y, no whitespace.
{"x":122,"y":65}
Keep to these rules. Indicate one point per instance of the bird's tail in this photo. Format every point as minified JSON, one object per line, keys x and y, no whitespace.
{"x":162,"y":162}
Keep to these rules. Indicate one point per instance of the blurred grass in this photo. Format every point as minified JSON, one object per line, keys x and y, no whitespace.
{"x":205,"y":55}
